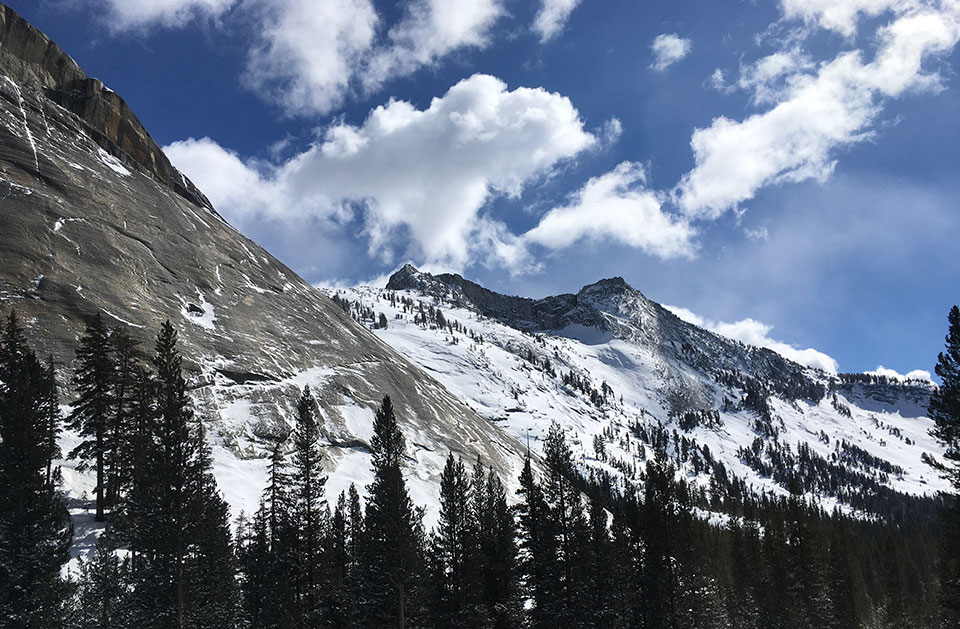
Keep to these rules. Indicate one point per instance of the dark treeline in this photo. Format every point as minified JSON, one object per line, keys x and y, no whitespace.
{"x":568,"y":550}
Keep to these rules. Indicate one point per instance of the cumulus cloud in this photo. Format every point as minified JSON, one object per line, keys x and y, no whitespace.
{"x":841,"y":15}
{"x":310,"y":56}
{"x":616,"y":206}
{"x":430,"y":30}
{"x":421,"y":176}
{"x":756,"y":333}
{"x":307,"y":52}
{"x":770,"y":77}
{"x":916,"y":374}
{"x":552,"y":17}
{"x":668,"y":49}
{"x":241,"y":188}
{"x":814,"y":112}
{"x":125,"y":14}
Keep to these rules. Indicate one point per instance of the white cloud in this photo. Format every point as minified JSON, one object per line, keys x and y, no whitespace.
{"x":756,"y":333}
{"x":431,"y":29}
{"x":916,"y":374}
{"x":841,"y":15}
{"x":616,"y":206}
{"x":769,"y":78}
{"x":718,"y":81}
{"x":552,"y":17}
{"x":816,"y":114}
{"x":237,"y":187}
{"x":127,"y":14}
{"x":668,"y":49}
{"x":417,"y":177}
{"x":612,"y":130}
{"x":308,"y":51}
{"x":309,"y":56}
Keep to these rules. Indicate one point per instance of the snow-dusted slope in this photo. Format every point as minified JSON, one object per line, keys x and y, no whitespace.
{"x":657,"y":370}
{"x":93,"y":217}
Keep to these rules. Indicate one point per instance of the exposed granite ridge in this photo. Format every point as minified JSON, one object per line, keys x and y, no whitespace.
{"x":32,"y":60}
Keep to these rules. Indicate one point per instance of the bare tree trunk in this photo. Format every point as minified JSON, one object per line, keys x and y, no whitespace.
{"x":100,"y":515}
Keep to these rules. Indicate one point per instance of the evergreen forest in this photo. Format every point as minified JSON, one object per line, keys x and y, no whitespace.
{"x":568,"y":549}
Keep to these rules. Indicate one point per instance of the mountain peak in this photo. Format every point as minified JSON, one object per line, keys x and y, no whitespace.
{"x":408,"y":277}
{"x":32,"y":61}
{"x":608,"y":285}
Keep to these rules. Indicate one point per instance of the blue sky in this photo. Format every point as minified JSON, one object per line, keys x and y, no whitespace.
{"x":787,"y":171}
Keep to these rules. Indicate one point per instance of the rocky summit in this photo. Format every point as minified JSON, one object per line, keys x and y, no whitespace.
{"x":623,"y":375}
{"x":94,"y":218}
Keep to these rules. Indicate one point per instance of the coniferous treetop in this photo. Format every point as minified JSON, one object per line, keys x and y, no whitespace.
{"x":945,"y":402}
{"x":388,"y":444}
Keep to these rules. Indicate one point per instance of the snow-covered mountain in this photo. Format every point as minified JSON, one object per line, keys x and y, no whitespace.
{"x":93,"y":217}
{"x":621,"y":373}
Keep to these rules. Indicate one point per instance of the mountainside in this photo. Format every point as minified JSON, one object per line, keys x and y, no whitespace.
{"x":623,"y":375}
{"x":94,"y":217}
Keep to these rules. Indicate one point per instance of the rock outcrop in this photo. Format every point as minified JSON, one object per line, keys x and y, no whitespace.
{"x":612,"y":309}
{"x":31,"y":60}
{"x":94,"y":218}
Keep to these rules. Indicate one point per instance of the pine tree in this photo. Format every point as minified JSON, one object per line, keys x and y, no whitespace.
{"x":945,"y":402}
{"x":567,"y":515}
{"x":538,"y":551}
{"x":133,"y":512}
{"x":746,"y":572}
{"x":393,"y":548}
{"x":354,"y":545}
{"x":454,"y":552}
{"x":598,"y":584}
{"x":339,"y":564}
{"x":127,"y":374}
{"x":497,"y":546}
{"x":93,"y":409}
{"x":213,"y":590}
{"x":183,"y":569}
{"x":268,"y":579}
{"x":661,"y":577}
{"x":846,"y":583}
{"x":165,"y":525}
{"x":51,"y":410}
{"x":35,"y":528}
{"x":625,"y":570}
{"x":807,"y":552}
{"x":945,"y":411}
{"x":310,"y":511}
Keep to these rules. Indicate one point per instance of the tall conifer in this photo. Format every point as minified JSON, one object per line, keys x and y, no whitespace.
{"x":538,"y":551}
{"x":310,"y":510}
{"x":184,"y":573}
{"x":35,"y":528}
{"x":945,"y":412}
{"x":93,"y":409}
{"x":127,"y":374}
{"x":393,"y":553}
{"x":454,"y":552}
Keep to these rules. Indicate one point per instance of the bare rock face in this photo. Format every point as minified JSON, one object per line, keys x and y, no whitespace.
{"x":614,"y":309}
{"x":31,"y":60}
{"x":94,"y":217}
